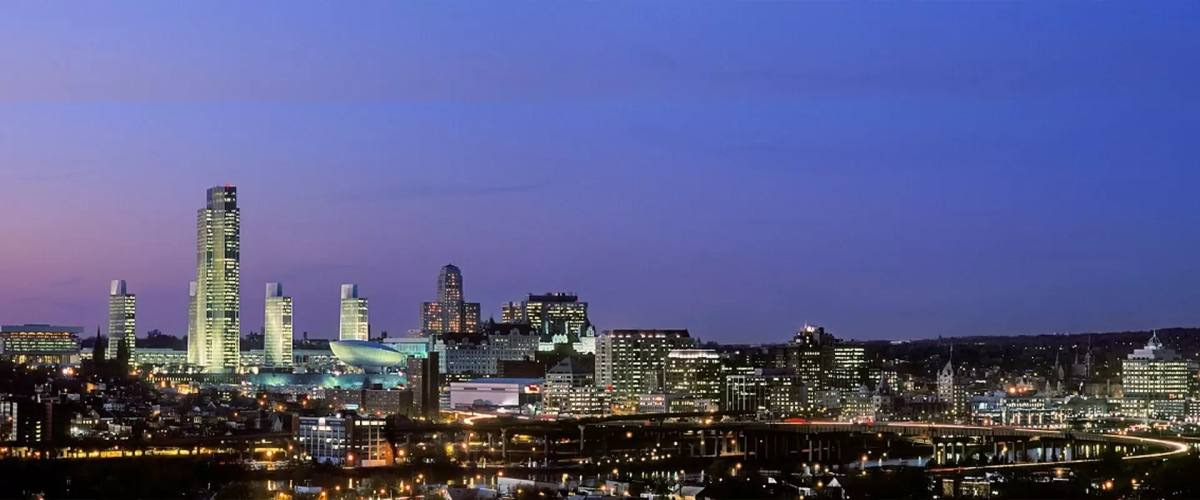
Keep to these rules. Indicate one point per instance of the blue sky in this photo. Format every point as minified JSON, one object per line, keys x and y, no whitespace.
{"x":888,"y":170}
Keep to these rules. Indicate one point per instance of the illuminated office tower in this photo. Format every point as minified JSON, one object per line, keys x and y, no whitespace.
{"x":693,"y":373}
{"x":122,"y":319}
{"x":631,"y":362}
{"x":449,"y":314}
{"x":218,"y":281}
{"x":277,"y":328}
{"x":550,"y":314}
{"x":355,"y":324}
{"x":1156,"y":381}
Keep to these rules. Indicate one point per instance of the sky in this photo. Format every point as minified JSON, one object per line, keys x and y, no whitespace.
{"x":888,"y":170}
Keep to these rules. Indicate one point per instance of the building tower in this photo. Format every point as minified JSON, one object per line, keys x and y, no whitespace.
{"x":218,"y":282}
{"x":449,"y":314}
{"x":277,"y":328}
{"x":630,"y":362}
{"x":122,"y":319}
{"x":355,"y":324}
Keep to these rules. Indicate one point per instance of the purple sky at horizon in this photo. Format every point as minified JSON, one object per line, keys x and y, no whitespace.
{"x":886,"y":170}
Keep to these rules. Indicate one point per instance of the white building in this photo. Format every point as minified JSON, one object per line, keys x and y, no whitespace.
{"x":355,"y":324}
{"x":277,"y":328}
{"x":218,"y":281}
{"x":122,"y":319}
{"x":517,"y":395}
{"x":1156,"y":381}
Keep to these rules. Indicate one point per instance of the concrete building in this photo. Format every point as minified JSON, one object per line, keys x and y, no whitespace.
{"x":450,"y":313}
{"x":571,"y":390}
{"x":217,"y":327}
{"x":355,"y":321}
{"x":122,"y":319}
{"x":631,"y":362}
{"x":515,"y":395}
{"x":777,"y":391}
{"x":411,"y":346}
{"x":424,"y":380}
{"x":277,"y":328}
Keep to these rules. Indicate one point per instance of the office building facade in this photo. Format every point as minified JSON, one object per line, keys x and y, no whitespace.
{"x":631,"y":362}
{"x":122,"y":319}
{"x":1156,"y":381}
{"x":693,"y":374}
{"x":551,"y":314}
{"x":218,"y":282}
{"x":40,"y":345}
{"x":355,"y":321}
{"x":277,"y":328}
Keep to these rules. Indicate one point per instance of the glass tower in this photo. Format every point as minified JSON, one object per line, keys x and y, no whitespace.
{"x":277,"y":328}
{"x":355,"y":324}
{"x":122,"y":319}
{"x":218,"y":281}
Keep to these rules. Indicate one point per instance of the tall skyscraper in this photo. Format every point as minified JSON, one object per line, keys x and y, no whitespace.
{"x":631,"y":362}
{"x":277,"y":328}
{"x":449,"y":314}
{"x":218,"y":281}
{"x":193,"y":340}
{"x":355,"y":324}
{"x":122,"y":319}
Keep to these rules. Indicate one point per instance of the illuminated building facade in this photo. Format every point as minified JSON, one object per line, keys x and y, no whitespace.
{"x":693,"y":373}
{"x":571,"y":390}
{"x":277,"y":328}
{"x":767,"y":390}
{"x":218,"y":282}
{"x":355,"y":322}
{"x":630,"y":363}
{"x":344,"y":439}
{"x":552,"y":314}
{"x":40,"y":345}
{"x":1156,"y":380}
{"x":122,"y":319}
{"x":449,"y":314}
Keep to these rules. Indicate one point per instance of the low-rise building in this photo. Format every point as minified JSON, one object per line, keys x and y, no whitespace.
{"x":344,"y":438}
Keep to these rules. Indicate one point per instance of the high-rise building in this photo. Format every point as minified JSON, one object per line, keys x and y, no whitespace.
{"x":552,"y":314}
{"x":630,"y":362}
{"x":1156,"y":381}
{"x":122,"y":319}
{"x":449,"y":314}
{"x":218,"y":281}
{"x":952,"y":393}
{"x":769,"y":390}
{"x":346,"y":439}
{"x":277,"y":328}
{"x":693,"y":374}
{"x":355,"y":324}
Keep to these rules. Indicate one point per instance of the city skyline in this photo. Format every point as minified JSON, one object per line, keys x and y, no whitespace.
{"x":737,"y":170}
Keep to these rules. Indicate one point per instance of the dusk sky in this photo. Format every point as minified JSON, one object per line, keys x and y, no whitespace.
{"x":884,"y":169}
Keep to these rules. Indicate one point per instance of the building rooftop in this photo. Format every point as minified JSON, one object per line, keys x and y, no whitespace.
{"x":522,"y":381}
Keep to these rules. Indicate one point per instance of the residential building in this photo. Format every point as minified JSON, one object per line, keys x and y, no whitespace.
{"x":122,"y":319}
{"x":218,"y":281}
{"x":631,"y":362}
{"x":355,"y":321}
{"x":450,"y":313}
{"x":277,"y":328}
